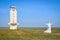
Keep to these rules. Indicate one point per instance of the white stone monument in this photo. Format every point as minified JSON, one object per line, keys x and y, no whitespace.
{"x":13,"y":18}
{"x":49,"y":28}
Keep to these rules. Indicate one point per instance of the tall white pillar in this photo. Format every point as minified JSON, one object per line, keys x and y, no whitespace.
{"x":13,"y":18}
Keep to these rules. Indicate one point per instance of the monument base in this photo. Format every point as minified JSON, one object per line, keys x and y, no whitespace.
{"x":13,"y":27}
{"x":47,"y":31}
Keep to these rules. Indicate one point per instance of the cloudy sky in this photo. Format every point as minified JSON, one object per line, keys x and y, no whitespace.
{"x":31,"y":13}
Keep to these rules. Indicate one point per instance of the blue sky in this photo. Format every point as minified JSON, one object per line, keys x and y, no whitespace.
{"x":31,"y":13}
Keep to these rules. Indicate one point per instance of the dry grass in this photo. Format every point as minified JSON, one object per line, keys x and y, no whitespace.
{"x":29,"y":34}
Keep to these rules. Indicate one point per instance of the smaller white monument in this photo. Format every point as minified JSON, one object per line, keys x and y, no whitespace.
{"x":49,"y":28}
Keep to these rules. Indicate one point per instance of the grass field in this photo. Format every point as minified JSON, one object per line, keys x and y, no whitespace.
{"x":29,"y":34}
